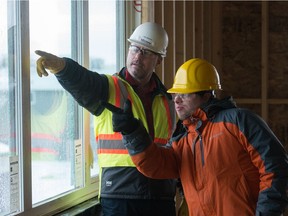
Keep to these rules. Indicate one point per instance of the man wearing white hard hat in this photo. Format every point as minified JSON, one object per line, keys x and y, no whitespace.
{"x":123,"y":190}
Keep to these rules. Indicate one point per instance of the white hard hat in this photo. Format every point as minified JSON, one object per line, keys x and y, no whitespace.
{"x":151,"y":36}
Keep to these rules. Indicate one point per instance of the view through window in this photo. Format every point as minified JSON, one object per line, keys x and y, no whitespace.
{"x":55,"y":133}
{"x":53,"y":112}
{"x":102,"y":50}
{"x":10,"y":189}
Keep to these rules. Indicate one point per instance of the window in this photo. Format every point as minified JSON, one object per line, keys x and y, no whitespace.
{"x":102,"y":50}
{"x":42,"y":129}
{"x":10,"y":135}
{"x":55,"y":136}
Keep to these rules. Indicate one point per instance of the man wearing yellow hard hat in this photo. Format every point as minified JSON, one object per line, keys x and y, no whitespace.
{"x":228,"y":159}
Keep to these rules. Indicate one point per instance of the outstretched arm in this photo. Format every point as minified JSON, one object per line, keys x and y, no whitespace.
{"x":88,"y":88}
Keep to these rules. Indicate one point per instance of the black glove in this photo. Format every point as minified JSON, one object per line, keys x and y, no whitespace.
{"x":122,"y":120}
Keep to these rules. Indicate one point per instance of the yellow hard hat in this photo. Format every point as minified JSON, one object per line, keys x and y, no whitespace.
{"x":195,"y":75}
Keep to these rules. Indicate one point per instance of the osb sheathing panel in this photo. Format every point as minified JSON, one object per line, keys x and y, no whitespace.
{"x":278,"y":50}
{"x":243,"y":54}
{"x":241,"y":35}
{"x":278,"y":69}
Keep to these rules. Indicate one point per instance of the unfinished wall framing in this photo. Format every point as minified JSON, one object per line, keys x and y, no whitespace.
{"x":246,"y":40}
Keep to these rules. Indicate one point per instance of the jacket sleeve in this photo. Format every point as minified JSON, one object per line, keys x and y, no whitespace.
{"x":87,"y":88}
{"x":270,"y":157}
{"x":151,"y":160}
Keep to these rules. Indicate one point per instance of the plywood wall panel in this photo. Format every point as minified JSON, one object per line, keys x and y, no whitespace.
{"x":241,"y":43}
{"x":189,"y":30}
{"x":169,"y":24}
{"x":246,"y":40}
{"x":158,"y":16}
{"x":278,"y":50}
{"x":179,"y":35}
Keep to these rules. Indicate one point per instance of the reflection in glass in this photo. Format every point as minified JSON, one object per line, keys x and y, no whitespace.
{"x":54,"y":122}
{"x":102,"y":56}
{"x":9,"y":182}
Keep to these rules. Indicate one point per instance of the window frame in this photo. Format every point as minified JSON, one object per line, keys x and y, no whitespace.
{"x":80,"y":53}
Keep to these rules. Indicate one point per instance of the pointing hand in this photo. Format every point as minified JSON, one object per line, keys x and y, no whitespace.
{"x":50,"y":62}
{"x":122,"y":119}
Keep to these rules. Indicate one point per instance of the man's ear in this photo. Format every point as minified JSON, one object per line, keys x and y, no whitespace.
{"x":207,"y":96}
{"x":220,"y":94}
{"x":159,"y":60}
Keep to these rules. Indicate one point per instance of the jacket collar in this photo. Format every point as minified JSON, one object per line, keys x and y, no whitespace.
{"x":208,"y":111}
{"x":159,"y":88}
{"x":214,"y":106}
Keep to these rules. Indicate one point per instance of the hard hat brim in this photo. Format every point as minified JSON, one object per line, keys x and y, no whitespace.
{"x":184,"y":90}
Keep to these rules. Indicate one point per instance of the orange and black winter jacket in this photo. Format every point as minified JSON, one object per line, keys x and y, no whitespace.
{"x":228,"y":160}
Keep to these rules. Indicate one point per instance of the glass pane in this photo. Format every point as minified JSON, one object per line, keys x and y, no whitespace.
{"x":9,"y":168}
{"x":53,"y":111}
{"x":102,"y":49}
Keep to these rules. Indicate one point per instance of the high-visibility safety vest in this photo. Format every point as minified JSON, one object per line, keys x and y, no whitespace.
{"x":111,"y":150}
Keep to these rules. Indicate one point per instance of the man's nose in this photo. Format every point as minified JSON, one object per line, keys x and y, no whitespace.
{"x":177,"y":99}
{"x":139,"y":53}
